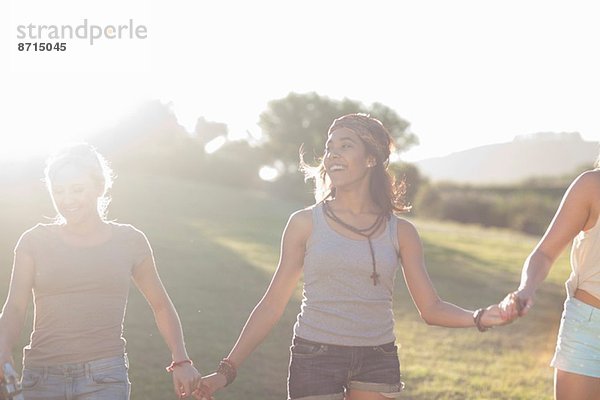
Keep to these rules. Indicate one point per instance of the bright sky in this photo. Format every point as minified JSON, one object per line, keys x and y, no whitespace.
{"x":465,"y":73}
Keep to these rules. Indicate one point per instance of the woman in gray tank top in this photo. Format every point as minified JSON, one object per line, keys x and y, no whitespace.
{"x":348,"y":246}
{"x":79,"y":269}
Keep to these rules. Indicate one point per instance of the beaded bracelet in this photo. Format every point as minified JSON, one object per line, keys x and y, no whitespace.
{"x":477,"y":315}
{"x":228,"y":370}
{"x":174,"y":364}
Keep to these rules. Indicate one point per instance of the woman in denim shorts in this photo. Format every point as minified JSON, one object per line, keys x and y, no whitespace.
{"x":576,"y":360}
{"x":348,"y":246}
{"x":79,"y":269}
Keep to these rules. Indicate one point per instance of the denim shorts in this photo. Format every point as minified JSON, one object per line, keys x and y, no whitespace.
{"x":325,"y":372}
{"x":578,"y":344}
{"x":104,"y":379}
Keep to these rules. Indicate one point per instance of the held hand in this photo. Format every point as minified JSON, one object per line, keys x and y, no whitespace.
{"x":515,"y":304}
{"x":492,"y":316}
{"x":185,"y":379}
{"x":209,"y":385}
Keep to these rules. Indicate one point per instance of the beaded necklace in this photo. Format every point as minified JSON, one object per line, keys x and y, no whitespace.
{"x":364,"y":232}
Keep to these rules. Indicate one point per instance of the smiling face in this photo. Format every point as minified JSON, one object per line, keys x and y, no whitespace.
{"x":346,"y":160}
{"x":75,"y":194}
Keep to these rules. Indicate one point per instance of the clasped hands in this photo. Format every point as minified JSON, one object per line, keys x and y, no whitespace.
{"x":515,"y":304}
{"x":208,"y":385}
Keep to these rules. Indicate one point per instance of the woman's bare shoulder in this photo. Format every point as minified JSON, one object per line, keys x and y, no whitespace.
{"x":302,"y":219}
{"x":587,"y":184}
{"x":405,"y":227}
{"x":299,"y":225}
{"x":403,"y":222}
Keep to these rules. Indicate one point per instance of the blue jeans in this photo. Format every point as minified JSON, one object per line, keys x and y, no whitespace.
{"x":104,"y":379}
{"x":325,"y":372}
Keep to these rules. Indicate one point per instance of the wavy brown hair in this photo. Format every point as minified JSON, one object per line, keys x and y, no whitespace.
{"x":385,"y":191}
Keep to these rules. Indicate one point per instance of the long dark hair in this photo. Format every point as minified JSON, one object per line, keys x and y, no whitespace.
{"x":385,"y":191}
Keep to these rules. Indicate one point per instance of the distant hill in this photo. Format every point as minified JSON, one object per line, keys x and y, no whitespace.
{"x":537,"y":155}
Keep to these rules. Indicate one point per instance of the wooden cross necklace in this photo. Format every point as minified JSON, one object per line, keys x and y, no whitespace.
{"x":364,"y":232}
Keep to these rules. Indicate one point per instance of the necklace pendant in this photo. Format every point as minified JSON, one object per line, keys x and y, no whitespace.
{"x":375,"y":277}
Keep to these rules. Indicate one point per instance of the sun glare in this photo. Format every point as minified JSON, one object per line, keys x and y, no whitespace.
{"x":57,"y":115}
{"x":268,"y":173}
{"x":215,"y":144}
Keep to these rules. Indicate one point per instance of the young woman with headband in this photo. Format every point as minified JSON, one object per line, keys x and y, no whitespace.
{"x":348,"y":246}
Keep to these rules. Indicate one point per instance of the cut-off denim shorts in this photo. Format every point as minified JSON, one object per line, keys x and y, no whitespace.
{"x":325,"y":372}
{"x":104,"y":379}
{"x":578,"y":344}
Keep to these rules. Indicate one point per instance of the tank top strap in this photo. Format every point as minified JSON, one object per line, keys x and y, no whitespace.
{"x":318,"y":220}
{"x":318,"y":215}
{"x":393,"y":233}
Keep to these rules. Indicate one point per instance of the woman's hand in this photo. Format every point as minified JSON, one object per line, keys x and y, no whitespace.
{"x":492,"y":316}
{"x":209,"y":385}
{"x":516,"y":304}
{"x":185,"y":379}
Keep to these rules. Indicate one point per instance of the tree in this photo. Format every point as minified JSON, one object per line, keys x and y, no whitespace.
{"x":205,"y":131}
{"x":303,"y":119}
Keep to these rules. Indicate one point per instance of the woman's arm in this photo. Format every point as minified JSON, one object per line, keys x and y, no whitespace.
{"x":15,"y":307}
{"x":270,"y":308}
{"x":146,"y":278}
{"x":432,"y":309}
{"x":577,"y":211}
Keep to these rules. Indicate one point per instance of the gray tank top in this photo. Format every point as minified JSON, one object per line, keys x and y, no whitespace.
{"x":340,"y":304}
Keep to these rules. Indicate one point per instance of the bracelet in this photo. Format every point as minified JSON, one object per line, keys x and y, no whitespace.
{"x":517,"y":300}
{"x":477,"y":315}
{"x":174,"y":364}
{"x":227,"y":369}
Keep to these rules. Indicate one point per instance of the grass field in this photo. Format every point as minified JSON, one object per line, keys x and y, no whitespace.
{"x":217,"y":248}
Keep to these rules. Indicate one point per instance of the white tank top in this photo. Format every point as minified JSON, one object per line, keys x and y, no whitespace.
{"x":585,"y":262}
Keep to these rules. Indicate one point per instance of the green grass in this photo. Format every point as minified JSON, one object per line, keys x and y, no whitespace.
{"x":216,"y":249}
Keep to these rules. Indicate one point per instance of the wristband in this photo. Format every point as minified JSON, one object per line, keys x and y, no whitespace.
{"x":228,"y":370}
{"x":477,"y":315}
